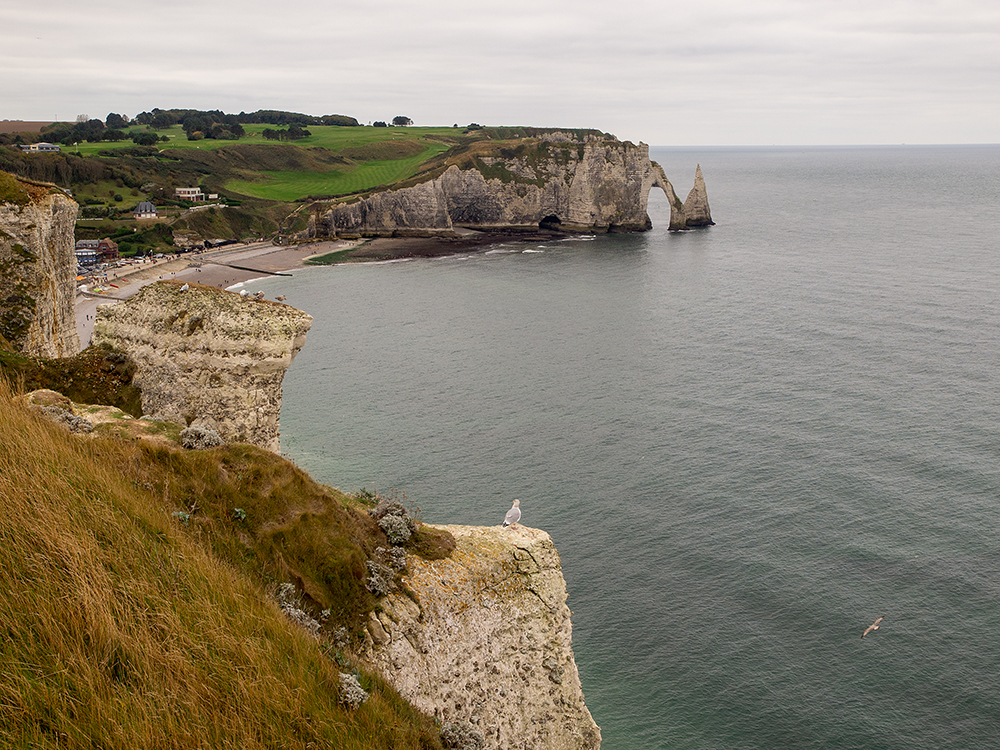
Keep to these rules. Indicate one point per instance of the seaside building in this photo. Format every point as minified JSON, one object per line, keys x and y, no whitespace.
{"x":86,"y":252}
{"x":89,"y":252}
{"x":192,"y":194}
{"x":144,"y":210}
{"x":107,"y":250}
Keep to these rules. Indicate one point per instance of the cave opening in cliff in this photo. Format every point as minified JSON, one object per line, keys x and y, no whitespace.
{"x":550,"y":222}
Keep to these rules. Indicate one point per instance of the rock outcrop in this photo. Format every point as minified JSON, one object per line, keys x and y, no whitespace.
{"x":37,"y":268}
{"x":595,"y":184}
{"x":483,"y":641}
{"x":207,"y":357}
{"x":695,"y":209}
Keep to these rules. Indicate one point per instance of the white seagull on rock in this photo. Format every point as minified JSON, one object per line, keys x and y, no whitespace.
{"x":513,"y":515}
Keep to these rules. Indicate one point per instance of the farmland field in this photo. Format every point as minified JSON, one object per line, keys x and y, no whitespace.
{"x":323,"y":136}
{"x":290,"y":186}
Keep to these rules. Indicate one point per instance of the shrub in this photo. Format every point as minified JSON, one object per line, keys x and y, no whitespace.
{"x":352,"y":694}
{"x":291,"y":604}
{"x":381,"y":579}
{"x":398,"y":528}
{"x":194,"y":438}
{"x":462,"y":737}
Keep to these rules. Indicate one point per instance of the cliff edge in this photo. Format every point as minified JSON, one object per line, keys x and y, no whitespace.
{"x":483,"y":640}
{"x":558,"y":182}
{"x":37,"y":268}
{"x":207,"y":357}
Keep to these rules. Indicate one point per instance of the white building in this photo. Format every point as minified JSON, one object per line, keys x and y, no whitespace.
{"x":37,"y":147}
{"x":192,"y":194}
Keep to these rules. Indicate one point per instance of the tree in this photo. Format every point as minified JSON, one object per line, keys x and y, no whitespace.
{"x":145,"y":139}
{"x":115,"y":121}
{"x":379,"y":124}
{"x":400,"y":121}
{"x":162,"y":120}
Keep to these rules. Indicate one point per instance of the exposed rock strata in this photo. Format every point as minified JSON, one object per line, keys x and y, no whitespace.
{"x":207,"y":357}
{"x":485,"y":641}
{"x":598,"y":184}
{"x":38,"y":271}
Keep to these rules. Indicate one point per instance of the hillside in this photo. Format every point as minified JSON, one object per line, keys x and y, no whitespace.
{"x":261,"y":180}
{"x":138,"y":587}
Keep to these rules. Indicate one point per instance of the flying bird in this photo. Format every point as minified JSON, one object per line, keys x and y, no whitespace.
{"x":873,"y":626}
{"x":513,"y":515}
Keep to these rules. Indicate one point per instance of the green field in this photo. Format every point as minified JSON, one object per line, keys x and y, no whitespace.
{"x":290,"y":186}
{"x":323,"y":136}
{"x":368,"y":159}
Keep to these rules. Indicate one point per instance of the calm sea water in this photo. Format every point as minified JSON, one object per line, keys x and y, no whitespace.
{"x":747,"y":442}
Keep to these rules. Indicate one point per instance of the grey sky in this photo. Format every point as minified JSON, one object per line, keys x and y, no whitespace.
{"x":693,"y":73}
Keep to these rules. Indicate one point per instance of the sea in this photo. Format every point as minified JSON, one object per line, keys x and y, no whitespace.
{"x":747,"y":441}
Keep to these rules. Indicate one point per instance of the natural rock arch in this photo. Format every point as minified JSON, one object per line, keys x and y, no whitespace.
{"x":694,"y":212}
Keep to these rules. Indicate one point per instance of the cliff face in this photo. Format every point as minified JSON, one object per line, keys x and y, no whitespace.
{"x":37,"y":269}
{"x":485,"y":641}
{"x":207,"y":357}
{"x":598,"y":184}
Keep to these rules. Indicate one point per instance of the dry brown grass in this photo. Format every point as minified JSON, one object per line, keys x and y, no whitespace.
{"x":122,"y":627}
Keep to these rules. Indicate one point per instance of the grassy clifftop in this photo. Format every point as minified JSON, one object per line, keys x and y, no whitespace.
{"x":137,"y":598}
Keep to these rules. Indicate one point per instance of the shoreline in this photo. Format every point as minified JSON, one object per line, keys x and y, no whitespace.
{"x":205,"y":268}
{"x":260,"y":261}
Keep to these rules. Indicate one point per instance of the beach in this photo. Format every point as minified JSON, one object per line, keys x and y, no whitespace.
{"x":212,"y":268}
{"x":235,"y":265}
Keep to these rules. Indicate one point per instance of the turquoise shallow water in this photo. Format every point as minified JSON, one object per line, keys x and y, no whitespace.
{"x":747,"y":442}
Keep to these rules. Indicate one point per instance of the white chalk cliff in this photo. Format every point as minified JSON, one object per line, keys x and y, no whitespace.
{"x":207,"y":357}
{"x":557,"y":181}
{"x":483,"y":640}
{"x":38,"y":269}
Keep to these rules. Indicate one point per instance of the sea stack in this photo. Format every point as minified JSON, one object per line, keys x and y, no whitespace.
{"x":696,"y":210}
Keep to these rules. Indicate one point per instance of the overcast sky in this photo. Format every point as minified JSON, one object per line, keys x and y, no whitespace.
{"x":703,"y":72}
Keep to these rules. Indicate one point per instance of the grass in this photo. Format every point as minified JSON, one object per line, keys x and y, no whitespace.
{"x":94,"y":376}
{"x":290,"y":186}
{"x":11,"y":190}
{"x":370,"y":157}
{"x":323,"y":136}
{"x":125,"y":626}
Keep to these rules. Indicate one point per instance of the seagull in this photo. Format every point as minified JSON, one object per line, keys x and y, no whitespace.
{"x":185,"y":288}
{"x":873,"y":626}
{"x":513,"y":515}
